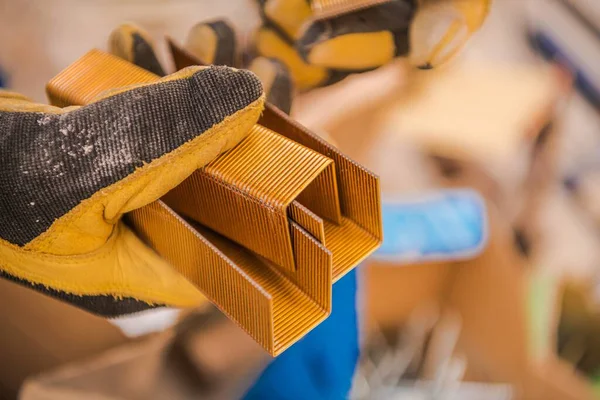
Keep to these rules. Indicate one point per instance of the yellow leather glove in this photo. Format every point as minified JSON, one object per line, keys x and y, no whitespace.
{"x":322,"y":51}
{"x":69,"y":175}
{"x":293,"y":51}
{"x":212,"y":42}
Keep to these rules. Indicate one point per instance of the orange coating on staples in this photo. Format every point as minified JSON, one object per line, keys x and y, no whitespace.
{"x":311,"y":222}
{"x":274,"y":308}
{"x":244,"y":194}
{"x":91,"y":75}
{"x":358,"y":188}
{"x":321,"y":209}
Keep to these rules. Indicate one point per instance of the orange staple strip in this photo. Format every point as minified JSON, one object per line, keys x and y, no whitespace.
{"x":75,"y":90}
{"x":244,"y":194}
{"x":275,"y":309}
{"x":308,"y":220}
{"x":358,"y":188}
{"x":276,"y":300}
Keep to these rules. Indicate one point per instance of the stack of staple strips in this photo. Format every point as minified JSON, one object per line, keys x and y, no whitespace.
{"x":265,"y":229}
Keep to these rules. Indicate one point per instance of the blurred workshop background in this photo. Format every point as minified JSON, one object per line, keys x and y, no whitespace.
{"x":488,"y":282}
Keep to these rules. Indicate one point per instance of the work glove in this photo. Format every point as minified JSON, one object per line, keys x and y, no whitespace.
{"x":212,"y":42}
{"x":322,"y":51}
{"x":68,"y":176}
{"x":293,"y":51}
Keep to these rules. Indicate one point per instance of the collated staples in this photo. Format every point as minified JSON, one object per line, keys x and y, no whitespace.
{"x":322,"y":212}
{"x":360,"y":231}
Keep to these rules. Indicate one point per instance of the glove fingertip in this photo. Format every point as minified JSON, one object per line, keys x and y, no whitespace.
{"x":213,"y":42}
{"x":276,"y":80}
{"x":311,"y":36}
{"x":133,"y":44}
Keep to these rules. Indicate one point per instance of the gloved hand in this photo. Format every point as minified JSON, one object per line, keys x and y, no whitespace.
{"x":69,"y":175}
{"x":211,"y":42}
{"x":323,"y":51}
{"x":294,"y":51}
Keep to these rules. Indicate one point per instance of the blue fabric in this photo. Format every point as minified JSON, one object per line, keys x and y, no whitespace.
{"x":321,"y":365}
